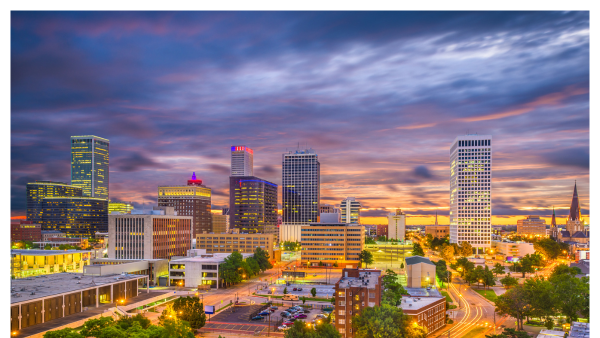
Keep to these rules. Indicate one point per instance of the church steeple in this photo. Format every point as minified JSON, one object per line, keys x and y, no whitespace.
{"x":575,"y":211}
{"x":553,"y":222}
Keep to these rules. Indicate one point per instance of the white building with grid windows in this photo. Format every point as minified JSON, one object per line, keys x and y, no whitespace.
{"x":471,"y":191}
{"x":301,"y":182}
{"x":242,"y":161}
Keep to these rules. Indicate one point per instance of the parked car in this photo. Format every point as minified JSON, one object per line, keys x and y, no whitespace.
{"x":291,"y":319}
{"x":270,"y":292}
{"x":306,"y":310}
{"x":274,"y":307}
{"x":283,"y":328}
{"x":295,"y":289}
{"x":299,"y":289}
{"x":264,"y":313}
{"x":300,"y":316}
{"x":288,"y":323}
{"x":289,"y":297}
{"x":285,"y":314}
{"x":258,"y":317}
{"x":321,"y":315}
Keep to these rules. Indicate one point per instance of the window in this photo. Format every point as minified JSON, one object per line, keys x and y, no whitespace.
{"x":342,"y":294}
{"x":341,"y":321}
{"x":342,"y":331}
{"x":342,"y":303}
{"x":341,"y":313}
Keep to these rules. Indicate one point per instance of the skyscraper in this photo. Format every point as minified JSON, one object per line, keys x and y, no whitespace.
{"x":253,"y":205}
{"x":89,"y":165}
{"x":300,"y":192}
{"x":397,"y":225}
{"x":75,"y":216}
{"x":242,"y":161}
{"x":350,"y":210}
{"x":471,"y":191}
{"x":193,"y":199}
{"x":38,"y":190}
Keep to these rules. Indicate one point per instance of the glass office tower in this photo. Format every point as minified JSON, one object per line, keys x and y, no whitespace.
{"x":75,"y":216}
{"x":38,"y":190}
{"x":253,"y":205}
{"x":89,"y":165}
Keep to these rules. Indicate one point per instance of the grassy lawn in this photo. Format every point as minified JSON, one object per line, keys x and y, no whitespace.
{"x":445,"y":294}
{"x":474,"y":333}
{"x":488,"y":294}
{"x":224,"y":307}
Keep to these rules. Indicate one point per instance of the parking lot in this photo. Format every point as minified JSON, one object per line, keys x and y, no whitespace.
{"x":323,"y":291}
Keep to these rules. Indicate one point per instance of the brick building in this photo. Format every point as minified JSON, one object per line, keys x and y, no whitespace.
{"x":357,"y":289}
{"x":382,"y":230}
{"x":428,"y":312}
{"x":25,"y":231}
{"x":532,"y":225}
{"x":437,"y":231}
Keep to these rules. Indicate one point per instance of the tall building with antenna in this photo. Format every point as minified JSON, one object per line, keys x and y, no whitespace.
{"x":471,"y":191}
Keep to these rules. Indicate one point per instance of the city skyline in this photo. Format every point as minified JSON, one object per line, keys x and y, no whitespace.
{"x":379,"y":96}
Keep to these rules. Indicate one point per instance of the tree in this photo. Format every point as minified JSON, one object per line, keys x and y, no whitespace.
{"x":168,"y":313}
{"x":488,"y":277}
{"x":47,"y":247}
{"x":252,"y":265}
{"x":285,"y":291}
{"x":441,"y":270}
{"x":447,"y":252}
{"x":174,"y":328}
{"x":509,"y":281}
{"x":93,"y":327}
{"x":299,"y":330}
{"x":313,"y":292}
{"x":262,"y":258}
{"x":335,"y":264}
{"x":549,"y":247}
{"x":365,"y":257}
{"x":418,"y":250}
{"x":303,"y":300}
{"x":416,"y":331}
{"x":510,"y":333}
{"x":392,"y":289}
{"x":463,"y":265}
{"x":466,"y":249}
{"x":380,"y":321}
{"x":64,"y":333}
{"x":527,"y":264}
{"x":381,"y":239}
{"x":562,"y":269}
{"x":191,"y":310}
{"x":291,"y":246}
{"x":515,"y":304}
{"x":498,"y":269}
{"x":541,"y":298}
{"x":369,"y":240}
{"x":572,"y":295}
{"x":402,"y":265}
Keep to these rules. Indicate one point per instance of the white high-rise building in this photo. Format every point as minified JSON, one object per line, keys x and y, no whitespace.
{"x":471,"y":191}
{"x":350,"y":211}
{"x":242,"y":161}
{"x":397,"y":225}
{"x":300,"y":192}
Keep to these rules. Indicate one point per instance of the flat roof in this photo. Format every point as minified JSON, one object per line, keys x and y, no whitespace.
{"x":366,"y":279}
{"x":59,"y":283}
{"x":121,"y":260}
{"x":416,"y":303}
{"x":423,"y":292}
{"x":46,"y":252}
{"x":216,"y":258}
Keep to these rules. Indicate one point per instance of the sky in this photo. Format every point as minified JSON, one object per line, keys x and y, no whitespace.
{"x":380,"y":96}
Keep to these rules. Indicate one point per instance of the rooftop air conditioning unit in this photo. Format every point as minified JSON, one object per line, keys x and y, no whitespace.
{"x":409,"y":304}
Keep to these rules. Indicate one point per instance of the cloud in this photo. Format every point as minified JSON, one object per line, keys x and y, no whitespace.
{"x":220,"y":169}
{"x":571,"y":157}
{"x":422,"y":171}
{"x":135,"y":162}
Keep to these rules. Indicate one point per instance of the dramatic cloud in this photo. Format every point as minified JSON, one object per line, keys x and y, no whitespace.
{"x":379,"y":95}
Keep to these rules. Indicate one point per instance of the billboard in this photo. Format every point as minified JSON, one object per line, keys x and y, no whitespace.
{"x":209,"y":309}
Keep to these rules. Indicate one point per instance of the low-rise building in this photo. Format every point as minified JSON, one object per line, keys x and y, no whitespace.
{"x":420,"y":272}
{"x":228,"y":243}
{"x":437,"y":231}
{"x":155,"y":234}
{"x":25,"y":231}
{"x":512,"y":249}
{"x":428,"y":312}
{"x":328,"y":244}
{"x":47,"y":234}
{"x":28,"y":263}
{"x":220,"y":223}
{"x":382,"y":230}
{"x":55,"y":242}
{"x":579,"y":330}
{"x":198,"y":269}
{"x":40,"y":300}
{"x":153,"y":268}
{"x":356,"y":290}
{"x":531,"y":226}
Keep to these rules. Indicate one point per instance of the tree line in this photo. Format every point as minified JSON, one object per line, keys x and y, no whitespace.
{"x":233,"y":269}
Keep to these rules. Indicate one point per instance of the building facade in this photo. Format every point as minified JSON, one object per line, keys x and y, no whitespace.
{"x":513,"y":249}
{"x":301,"y":195}
{"x":437,"y":231}
{"x":75,"y":216}
{"x":157,"y":234}
{"x":193,"y":200}
{"x":427,"y":312}
{"x":29,"y":263}
{"x":350,"y":211}
{"x":420,"y":272}
{"x":228,"y":243}
{"x":329,"y":209}
{"x":329,"y":244}
{"x":253,"y":205}
{"x":382,"y":230}
{"x":356,"y":290}
{"x":124,"y":208}
{"x":397,"y":225}
{"x":220,"y":224}
{"x":38,"y":190}
{"x":47,"y":234}
{"x":201,"y":269}
{"x":90,"y":164}
{"x":471,"y":191}
{"x":242,"y":161}
{"x":532,"y":225}
{"x":575,"y":233}
{"x":25,"y":231}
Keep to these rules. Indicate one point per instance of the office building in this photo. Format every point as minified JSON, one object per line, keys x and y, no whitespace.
{"x":121,"y":207}
{"x":382,"y":230}
{"x":252,"y":205}
{"x":25,"y":231}
{"x":437,"y":231}
{"x":38,"y":190}
{"x":156,"y":234}
{"x":531,"y":226}
{"x":29,"y":263}
{"x":330,"y":218}
{"x":199,"y":269}
{"x":242,"y":161}
{"x":329,"y":244}
{"x":428,"y":312}
{"x":153,"y":268}
{"x":220,"y":224}
{"x":193,"y":199}
{"x":225,"y":211}
{"x":471,"y":191}
{"x":420,"y":272}
{"x":56,"y":242}
{"x":329,"y":209}
{"x":75,"y":216}
{"x":40,"y":300}
{"x":350,"y":211}
{"x":512,"y":249}
{"x":243,"y":243}
{"x":89,"y":165}
{"x":579,"y":330}
{"x":47,"y":234}
{"x":397,"y":225}
{"x":356,"y":290}
{"x":301,"y":196}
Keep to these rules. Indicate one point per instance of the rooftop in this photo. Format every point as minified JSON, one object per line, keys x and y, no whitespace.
{"x":579,"y":330}
{"x":367,"y":278}
{"x":544,"y":333}
{"x":208,"y":258}
{"x":417,"y":259}
{"x":415,"y":303}
{"x":26,"y":289}
{"x":423,"y":292}
{"x":46,"y":252}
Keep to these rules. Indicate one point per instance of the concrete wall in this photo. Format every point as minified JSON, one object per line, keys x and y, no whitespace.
{"x":417,"y":275}
{"x":104,"y":270}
